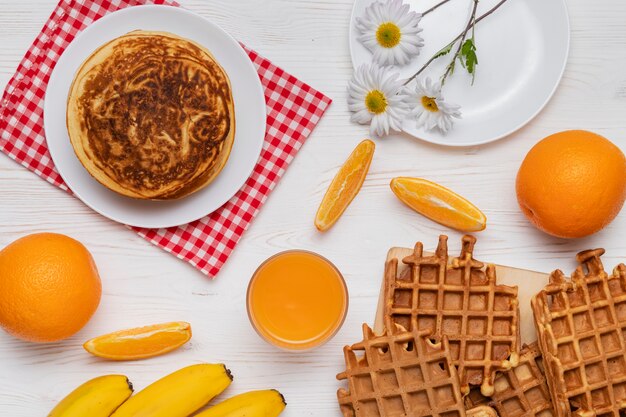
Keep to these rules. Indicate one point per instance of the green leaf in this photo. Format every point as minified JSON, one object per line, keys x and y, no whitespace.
{"x":468,"y":57}
{"x":444,"y":51}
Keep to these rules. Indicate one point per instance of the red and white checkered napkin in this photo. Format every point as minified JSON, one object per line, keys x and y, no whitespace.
{"x":293,"y":110}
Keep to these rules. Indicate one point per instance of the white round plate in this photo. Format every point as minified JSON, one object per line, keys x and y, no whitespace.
{"x":250,"y":115}
{"x":522,"y":50}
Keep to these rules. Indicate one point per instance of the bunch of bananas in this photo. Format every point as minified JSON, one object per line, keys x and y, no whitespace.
{"x":177,"y":395}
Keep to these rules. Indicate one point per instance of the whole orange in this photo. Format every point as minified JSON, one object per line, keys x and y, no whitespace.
{"x":572,"y":184}
{"x":49,"y":287}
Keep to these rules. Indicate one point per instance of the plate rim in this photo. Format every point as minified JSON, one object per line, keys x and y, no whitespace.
{"x":182,"y":220}
{"x":509,"y":132}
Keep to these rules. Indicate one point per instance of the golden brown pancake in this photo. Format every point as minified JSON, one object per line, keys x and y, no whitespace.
{"x":150,"y":115}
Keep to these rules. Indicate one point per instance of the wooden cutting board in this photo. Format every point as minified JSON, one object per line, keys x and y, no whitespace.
{"x":529,"y":283}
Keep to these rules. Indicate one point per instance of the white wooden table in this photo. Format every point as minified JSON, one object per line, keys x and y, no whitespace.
{"x":142,"y":284}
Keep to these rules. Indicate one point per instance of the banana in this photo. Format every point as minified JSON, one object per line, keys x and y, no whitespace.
{"x":267,"y":403}
{"x":178,"y":394}
{"x":99,"y":397}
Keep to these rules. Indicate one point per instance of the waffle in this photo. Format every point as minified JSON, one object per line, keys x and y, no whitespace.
{"x":481,"y":411}
{"x":399,"y":374}
{"x":460,"y":301}
{"x":581,"y":325}
{"x":521,"y":391}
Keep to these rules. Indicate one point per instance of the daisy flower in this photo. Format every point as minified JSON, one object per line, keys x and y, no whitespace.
{"x":391,"y":32}
{"x":430,"y":108}
{"x":376,"y":96}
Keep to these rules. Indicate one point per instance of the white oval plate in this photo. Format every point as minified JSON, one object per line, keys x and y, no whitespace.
{"x":250,"y":116}
{"x":522,"y":51}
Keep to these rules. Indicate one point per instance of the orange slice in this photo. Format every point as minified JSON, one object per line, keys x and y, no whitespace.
{"x":439,"y":204}
{"x":141,"y":342}
{"x":345,"y":186}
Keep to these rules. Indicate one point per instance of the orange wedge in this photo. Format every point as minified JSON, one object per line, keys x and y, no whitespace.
{"x":141,"y":342}
{"x":439,"y":204}
{"x":345,"y":186}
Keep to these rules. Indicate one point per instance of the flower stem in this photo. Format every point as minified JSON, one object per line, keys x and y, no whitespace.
{"x":435,"y":7}
{"x":470,"y":24}
{"x":449,"y":45}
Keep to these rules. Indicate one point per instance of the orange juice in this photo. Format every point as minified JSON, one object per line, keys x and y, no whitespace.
{"x":297,"y":300}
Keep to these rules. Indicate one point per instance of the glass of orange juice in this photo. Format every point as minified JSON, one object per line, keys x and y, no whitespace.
{"x":297,"y":300}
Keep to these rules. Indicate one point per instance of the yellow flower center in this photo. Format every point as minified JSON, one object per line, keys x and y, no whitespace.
{"x":376,"y":102}
{"x":430,"y":104}
{"x":388,"y":35}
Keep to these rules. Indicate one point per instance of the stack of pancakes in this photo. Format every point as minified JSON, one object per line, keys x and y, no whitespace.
{"x":150,"y":115}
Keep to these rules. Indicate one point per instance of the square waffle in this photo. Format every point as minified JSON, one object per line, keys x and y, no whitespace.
{"x":459,"y":300}
{"x":521,"y":391}
{"x":481,"y":411}
{"x":399,"y":374}
{"x":581,"y":325}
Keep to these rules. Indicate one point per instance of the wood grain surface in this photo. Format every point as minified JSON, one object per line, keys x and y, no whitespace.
{"x":309,"y":38}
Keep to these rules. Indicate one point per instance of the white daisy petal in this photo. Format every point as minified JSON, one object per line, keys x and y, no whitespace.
{"x":438,"y":114}
{"x":361,"y":117}
{"x":375,"y":129}
{"x":402,"y":25}
{"x":391,"y":107}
